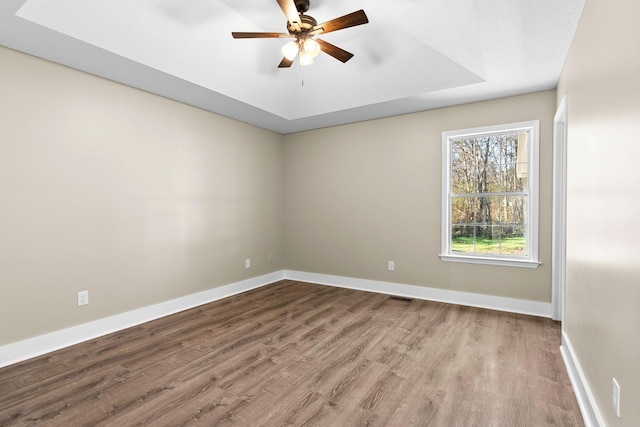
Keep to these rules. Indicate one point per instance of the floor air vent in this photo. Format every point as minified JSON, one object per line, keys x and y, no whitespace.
{"x":403,"y":299}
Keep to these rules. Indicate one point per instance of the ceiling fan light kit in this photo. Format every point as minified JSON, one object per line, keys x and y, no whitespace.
{"x":308,"y":49}
{"x":304,"y":29}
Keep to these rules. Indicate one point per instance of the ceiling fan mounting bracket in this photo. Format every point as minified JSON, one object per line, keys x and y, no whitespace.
{"x":302,"y":5}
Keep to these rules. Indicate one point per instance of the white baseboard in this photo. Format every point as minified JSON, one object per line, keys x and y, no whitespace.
{"x":32,"y":347}
{"x":42,"y":344}
{"x":588,"y":407}
{"x":512,"y":305}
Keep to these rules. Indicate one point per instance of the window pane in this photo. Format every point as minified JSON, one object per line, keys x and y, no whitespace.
{"x":522,"y":160}
{"x":495,"y":209}
{"x":521,"y":182}
{"x":515,"y":210}
{"x":489,"y":210}
{"x":463,"y":210}
{"x":513,"y":241}
{"x":487,"y":160}
{"x":493,"y":164}
{"x":489,"y":241}
{"x":509,"y":161}
{"x":515,"y":228}
{"x":462,"y":239}
{"x":463,"y":172}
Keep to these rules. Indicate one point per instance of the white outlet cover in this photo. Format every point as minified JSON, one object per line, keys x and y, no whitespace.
{"x":247,"y":263}
{"x":391,"y":266}
{"x":83,"y":298}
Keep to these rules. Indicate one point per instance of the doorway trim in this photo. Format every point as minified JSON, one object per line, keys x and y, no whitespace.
{"x":559,"y":228}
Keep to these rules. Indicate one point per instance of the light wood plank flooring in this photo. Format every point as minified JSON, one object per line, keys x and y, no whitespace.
{"x":293,"y":354}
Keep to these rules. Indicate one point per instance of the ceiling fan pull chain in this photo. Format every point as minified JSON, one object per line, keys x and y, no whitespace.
{"x":300,"y":69}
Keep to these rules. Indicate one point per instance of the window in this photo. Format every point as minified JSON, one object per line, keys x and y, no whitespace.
{"x":490,"y":195}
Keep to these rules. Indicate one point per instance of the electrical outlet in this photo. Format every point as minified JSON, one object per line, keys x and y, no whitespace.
{"x":615,"y":397}
{"x":83,"y":298}
{"x":247,"y":263}
{"x":391,"y":266}
{"x":270,"y":259}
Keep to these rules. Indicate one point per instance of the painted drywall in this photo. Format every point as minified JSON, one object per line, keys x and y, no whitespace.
{"x":601,"y":81}
{"x":360,"y":195}
{"x":133,"y":197}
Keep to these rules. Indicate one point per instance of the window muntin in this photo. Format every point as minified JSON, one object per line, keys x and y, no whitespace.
{"x":490,"y":194}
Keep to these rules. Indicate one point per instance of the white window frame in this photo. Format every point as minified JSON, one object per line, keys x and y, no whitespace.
{"x":530,"y":260}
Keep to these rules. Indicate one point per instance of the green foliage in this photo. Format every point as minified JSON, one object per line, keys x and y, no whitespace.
{"x":508,"y":245}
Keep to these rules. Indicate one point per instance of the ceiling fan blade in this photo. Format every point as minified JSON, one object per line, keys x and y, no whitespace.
{"x":335,"y":51}
{"x":243,"y":35}
{"x":291,"y":12}
{"x":350,"y":20}
{"x":285,"y":63}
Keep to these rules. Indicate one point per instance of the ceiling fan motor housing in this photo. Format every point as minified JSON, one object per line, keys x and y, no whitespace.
{"x":306,"y":24}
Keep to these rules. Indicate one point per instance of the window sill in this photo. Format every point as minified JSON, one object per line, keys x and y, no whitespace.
{"x":504,"y":262}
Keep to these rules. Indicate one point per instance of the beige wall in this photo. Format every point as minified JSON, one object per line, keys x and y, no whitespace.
{"x":140,"y":199}
{"x":362,"y":194}
{"x":131,"y":196}
{"x":602,"y":80}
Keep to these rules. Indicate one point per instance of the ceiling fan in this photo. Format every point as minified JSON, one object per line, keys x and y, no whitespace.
{"x":304,"y":29}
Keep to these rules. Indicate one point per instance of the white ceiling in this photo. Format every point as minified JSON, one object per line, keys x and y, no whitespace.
{"x":413,"y":55}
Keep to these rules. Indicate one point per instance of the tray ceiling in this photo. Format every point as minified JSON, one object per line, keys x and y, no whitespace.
{"x":411,"y":56}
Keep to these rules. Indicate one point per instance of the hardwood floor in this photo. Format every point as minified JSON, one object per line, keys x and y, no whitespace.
{"x":299,"y":354}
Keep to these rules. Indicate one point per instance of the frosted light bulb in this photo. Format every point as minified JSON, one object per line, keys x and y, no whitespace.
{"x":290,"y":50}
{"x":305,"y":58}
{"x":311,"y":47}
